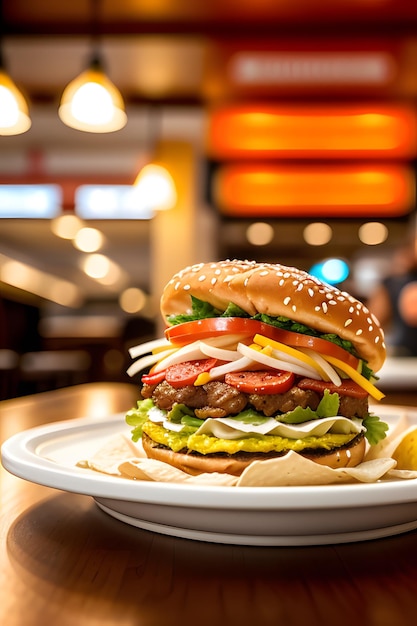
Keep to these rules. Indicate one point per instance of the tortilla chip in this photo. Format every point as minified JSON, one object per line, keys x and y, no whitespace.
{"x":225,"y":480}
{"x":154,"y":470}
{"x":151,"y":469}
{"x":119,"y":456}
{"x":295,"y":470}
{"x":107,"y":459}
{"x":385,"y":448}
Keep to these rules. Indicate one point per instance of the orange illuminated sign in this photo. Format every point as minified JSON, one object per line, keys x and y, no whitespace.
{"x":243,"y":190}
{"x":268,"y":131}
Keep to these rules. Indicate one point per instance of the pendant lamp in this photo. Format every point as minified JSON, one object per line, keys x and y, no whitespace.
{"x":154,"y":183}
{"x":92,"y":103}
{"x":14,"y":112}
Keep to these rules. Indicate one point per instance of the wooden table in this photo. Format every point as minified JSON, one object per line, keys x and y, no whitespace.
{"x":63,"y":561}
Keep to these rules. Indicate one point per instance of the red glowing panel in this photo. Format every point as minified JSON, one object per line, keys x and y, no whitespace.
{"x":350,"y":191}
{"x":320,"y":132}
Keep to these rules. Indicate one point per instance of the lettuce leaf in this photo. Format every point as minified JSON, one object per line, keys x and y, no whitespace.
{"x":328,"y":407}
{"x":136,"y":417}
{"x":376,"y":430}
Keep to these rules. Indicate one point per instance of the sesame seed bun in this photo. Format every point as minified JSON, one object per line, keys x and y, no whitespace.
{"x":276,"y":290}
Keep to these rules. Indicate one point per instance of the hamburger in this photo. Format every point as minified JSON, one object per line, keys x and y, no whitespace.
{"x":257,"y":359}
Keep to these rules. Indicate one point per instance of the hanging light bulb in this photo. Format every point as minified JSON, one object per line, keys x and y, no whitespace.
{"x":14,"y":112}
{"x":92,"y":103}
{"x":156,"y":188}
{"x":154,"y":185}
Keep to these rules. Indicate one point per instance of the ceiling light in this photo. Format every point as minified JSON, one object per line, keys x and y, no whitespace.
{"x":92,"y":103}
{"x":260,"y":234}
{"x":317,"y":233}
{"x":14,"y":112}
{"x":88,"y":240}
{"x":373,"y":233}
{"x":132,"y":300}
{"x":156,"y":188}
{"x":66,"y":225}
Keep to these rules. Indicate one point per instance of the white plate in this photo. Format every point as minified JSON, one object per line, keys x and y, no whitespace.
{"x":262,"y":516}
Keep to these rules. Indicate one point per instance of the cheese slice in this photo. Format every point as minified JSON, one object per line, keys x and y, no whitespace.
{"x":354,"y":375}
{"x":232,"y":428}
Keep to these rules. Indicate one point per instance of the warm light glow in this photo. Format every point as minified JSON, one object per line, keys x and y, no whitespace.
{"x":92,"y":103}
{"x":260,"y":234}
{"x":351,"y":190}
{"x":373,"y":233}
{"x":66,"y":226}
{"x":96,"y":265}
{"x":317,"y":234}
{"x":155,"y":188}
{"x":88,"y":240}
{"x":132,"y":300}
{"x":39,"y":283}
{"x":14,"y":112}
{"x":322,"y":131}
{"x":103,"y":270}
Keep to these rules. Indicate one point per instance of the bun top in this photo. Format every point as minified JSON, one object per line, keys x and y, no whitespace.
{"x":276,"y":290}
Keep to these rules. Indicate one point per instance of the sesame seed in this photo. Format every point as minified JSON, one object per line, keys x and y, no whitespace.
{"x":187,"y":287}
{"x":324,"y":307}
{"x":348,"y":322}
{"x":311,"y":292}
{"x":359,"y":332}
{"x":287,"y":300}
{"x":201,"y":278}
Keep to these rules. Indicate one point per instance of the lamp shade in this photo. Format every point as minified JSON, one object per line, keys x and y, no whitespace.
{"x":156,"y":187}
{"x":92,"y":103}
{"x":14,"y":112}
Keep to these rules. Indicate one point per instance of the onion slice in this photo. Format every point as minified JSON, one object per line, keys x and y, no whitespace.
{"x":219,"y":353}
{"x":275,"y":363}
{"x":187,"y":353}
{"x":233,"y":366}
{"x":143,"y":363}
{"x":330,"y":371}
{"x":148,"y":346}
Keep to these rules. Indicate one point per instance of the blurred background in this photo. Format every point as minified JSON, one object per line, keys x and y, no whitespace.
{"x":285,"y":132}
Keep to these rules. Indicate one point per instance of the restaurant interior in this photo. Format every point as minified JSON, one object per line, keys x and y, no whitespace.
{"x":285,"y":132}
{"x":138,"y":137}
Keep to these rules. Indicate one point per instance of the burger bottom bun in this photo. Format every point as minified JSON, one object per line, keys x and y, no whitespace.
{"x":194,"y":464}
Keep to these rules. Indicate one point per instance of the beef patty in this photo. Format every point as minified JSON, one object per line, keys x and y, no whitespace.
{"x":218,"y":399}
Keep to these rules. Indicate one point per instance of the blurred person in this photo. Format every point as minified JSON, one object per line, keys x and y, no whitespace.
{"x":394,"y":302}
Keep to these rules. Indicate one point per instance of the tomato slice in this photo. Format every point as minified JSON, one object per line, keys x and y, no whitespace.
{"x":153,"y":378}
{"x":347,"y":388}
{"x":261,"y":381}
{"x":182,"y":334}
{"x":216,"y":326}
{"x":186,"y":373}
